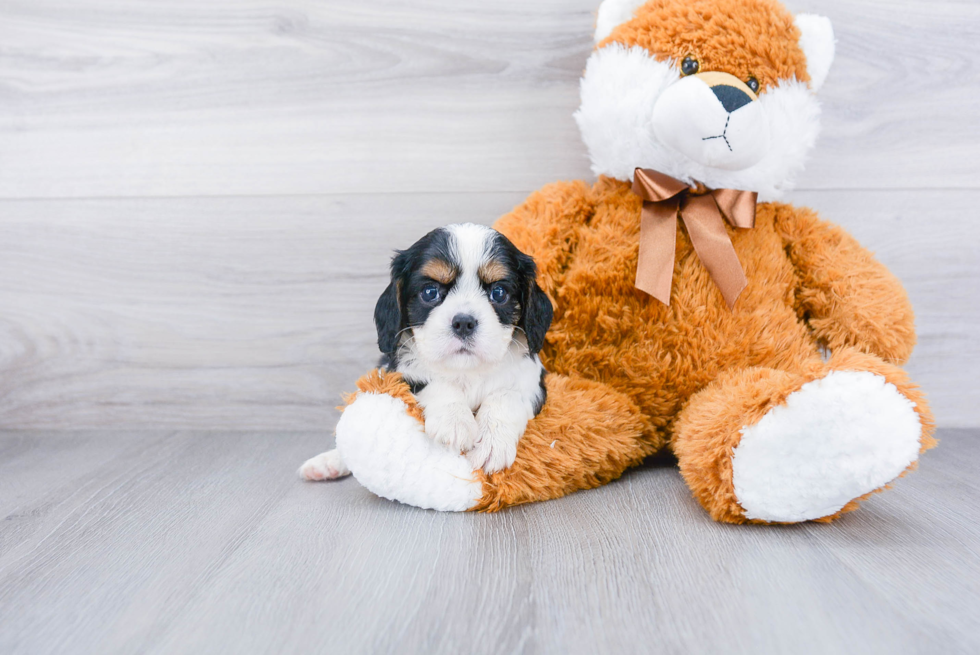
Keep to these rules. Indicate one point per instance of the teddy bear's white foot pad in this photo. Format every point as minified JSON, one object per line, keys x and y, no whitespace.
{"x":389,"y":453}
{"x":834,"y":440}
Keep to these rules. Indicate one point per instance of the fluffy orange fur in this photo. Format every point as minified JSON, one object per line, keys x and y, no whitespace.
{"x":765,"y":45}
{"x":585,"y":436}
{"x":810,"y":285}
{"x":630,"y":375}
{"x":709,"y":427}
{"x":393,"y":384}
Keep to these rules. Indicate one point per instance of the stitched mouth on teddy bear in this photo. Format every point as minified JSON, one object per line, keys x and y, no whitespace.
{"x":713,"y":119}
{"x":723,"y":136}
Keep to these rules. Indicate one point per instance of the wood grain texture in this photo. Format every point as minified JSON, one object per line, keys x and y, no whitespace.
{"x":256,"y":313}
{"x":160,"y":265}
{"x":110,"y":98}
{"x":194,"y":542}
{"x":245,"y":313}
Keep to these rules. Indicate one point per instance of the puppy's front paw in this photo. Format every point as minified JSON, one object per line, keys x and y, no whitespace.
{"x":496,"y":447}
{"x":325,"y":466}
{"x":492,"y":458}
{"x":452,"y":425}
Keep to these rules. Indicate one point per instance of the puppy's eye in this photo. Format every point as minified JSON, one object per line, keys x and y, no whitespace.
{"x":690,"y":66}
{"x":430,"y":293}
{"x":753,"y":84}
{"x":498,"y":294}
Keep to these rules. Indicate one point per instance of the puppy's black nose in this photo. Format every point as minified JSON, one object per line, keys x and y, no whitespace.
{"x":730,"y":97}
{"x":463,"y":325}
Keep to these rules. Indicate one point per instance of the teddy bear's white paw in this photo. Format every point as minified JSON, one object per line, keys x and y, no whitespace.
{"x":451,"y":424}
{"x":325,"y":466}
{"x":389,"y":453}
{"x":834,"y":440}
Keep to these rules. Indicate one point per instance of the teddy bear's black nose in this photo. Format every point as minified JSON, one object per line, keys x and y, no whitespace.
{"x":731,"y":98}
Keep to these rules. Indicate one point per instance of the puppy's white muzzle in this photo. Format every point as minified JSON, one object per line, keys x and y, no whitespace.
{"x":439,"y":344}
{"x":714,"y":119}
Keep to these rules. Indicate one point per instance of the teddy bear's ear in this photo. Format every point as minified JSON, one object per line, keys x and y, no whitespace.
{"x":612,"y":13}
{"x":817,"y":42}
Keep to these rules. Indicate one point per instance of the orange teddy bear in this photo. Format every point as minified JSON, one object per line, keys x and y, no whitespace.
{"x":693,"y":312}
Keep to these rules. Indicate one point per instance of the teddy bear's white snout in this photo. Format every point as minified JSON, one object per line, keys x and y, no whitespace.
{"x":713,"y":119}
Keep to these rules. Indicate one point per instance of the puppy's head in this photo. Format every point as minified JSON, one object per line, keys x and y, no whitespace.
{"x":459,"y":297}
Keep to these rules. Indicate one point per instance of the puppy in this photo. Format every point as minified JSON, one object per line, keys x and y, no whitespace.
{"x":463,"y":320}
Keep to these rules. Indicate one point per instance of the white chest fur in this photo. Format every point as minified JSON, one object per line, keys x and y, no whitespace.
{"x":516,"y":372}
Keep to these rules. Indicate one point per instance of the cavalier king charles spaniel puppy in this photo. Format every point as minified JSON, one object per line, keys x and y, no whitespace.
{"x":463,"y":320}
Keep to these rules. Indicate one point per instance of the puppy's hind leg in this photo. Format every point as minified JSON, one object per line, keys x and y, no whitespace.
{"x":325,"y":466}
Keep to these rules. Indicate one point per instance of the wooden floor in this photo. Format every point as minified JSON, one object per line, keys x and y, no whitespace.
{"x":189,"y":542}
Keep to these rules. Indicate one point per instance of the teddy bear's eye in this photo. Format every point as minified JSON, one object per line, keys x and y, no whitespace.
{"x":690,"y":66}
{"x":753,"y":84}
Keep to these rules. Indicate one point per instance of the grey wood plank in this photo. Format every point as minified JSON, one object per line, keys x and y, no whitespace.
{"x":255,"y":313}
{"x":139,"y":538}
{"x":211,"y":545}
{"x":104,"y":98}
{"x":926,"y":239}
{"x":189,"y":312}
{"x":31,"y":461}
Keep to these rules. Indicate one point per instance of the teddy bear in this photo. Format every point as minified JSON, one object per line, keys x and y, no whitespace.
{"x":693,"y":311}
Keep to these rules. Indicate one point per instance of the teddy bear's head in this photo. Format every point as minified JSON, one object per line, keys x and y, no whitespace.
{"x":720,"y":92}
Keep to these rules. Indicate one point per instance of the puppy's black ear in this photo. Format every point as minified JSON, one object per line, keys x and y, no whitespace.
{"x":536,"y":310}
{"x":536,"y":317}
{"x":388,"y":317}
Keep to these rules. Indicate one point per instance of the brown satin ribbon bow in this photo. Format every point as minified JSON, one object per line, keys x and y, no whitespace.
{"x":704,"y":213}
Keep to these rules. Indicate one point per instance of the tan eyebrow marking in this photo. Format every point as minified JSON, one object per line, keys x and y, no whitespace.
{"x":493,"y":271}
{"x":439,"y":271}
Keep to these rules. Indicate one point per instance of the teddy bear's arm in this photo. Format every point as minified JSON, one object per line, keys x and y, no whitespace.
{"x":546,"y":227}
{"x":846,"y":296}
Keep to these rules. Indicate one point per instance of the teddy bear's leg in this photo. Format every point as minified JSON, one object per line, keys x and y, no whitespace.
{"x":586,"y":434}
{"x":764,"y":445}
{"x":381,"y":438}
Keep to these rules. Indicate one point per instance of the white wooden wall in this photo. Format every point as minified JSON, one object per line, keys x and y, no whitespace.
{"x":198,"y":198}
